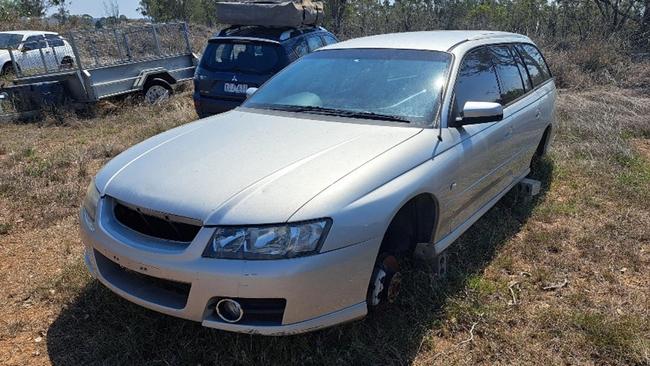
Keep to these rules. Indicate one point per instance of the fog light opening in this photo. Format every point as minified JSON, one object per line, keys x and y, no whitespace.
{"x":229,"y":310}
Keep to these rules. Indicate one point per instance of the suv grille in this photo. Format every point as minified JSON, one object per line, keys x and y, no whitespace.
{"x":162,"y":228}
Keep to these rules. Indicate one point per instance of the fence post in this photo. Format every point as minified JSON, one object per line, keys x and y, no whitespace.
{"x":187,"y":37}
{"x":14,"y":63}
{"x":126,"y":45}
{"x":95,"y":53}
{"x":40,"y":50}
{"x":156,"y":40}
{"x":117,"y":44}
{"x":73,"y":44}
{"x":56,"y":58}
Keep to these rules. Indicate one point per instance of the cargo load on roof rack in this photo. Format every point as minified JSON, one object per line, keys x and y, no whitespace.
{"x":291,"y":13}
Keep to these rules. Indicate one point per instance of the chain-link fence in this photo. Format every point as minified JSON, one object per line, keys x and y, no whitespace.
{"x":106,"y":47}
{"x":42,"y":54}
{"x":100,"y":48}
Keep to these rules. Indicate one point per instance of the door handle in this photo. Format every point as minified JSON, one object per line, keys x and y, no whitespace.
{"x":538,"y":113}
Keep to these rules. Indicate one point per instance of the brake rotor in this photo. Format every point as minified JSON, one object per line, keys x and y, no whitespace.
{"x":386,"y":281}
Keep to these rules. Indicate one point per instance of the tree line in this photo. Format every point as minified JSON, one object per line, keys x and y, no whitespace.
{"x":550,"y":20}
{"x":553,"y":20}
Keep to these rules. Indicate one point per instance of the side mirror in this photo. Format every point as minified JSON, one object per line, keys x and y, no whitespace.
{"x":479,"y":112}
{"x":250,"y":92}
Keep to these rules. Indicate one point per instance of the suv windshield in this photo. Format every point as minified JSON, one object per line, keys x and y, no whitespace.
{"x":241,"y":56}
{"x":376,"y":84}
{"x":10,"y":40}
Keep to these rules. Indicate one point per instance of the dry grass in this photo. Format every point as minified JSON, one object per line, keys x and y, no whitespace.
{"x":589,"y":227}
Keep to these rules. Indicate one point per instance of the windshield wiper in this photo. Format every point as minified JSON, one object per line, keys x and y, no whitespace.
{"x":340,"y":112}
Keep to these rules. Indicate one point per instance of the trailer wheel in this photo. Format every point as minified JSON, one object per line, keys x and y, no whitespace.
{"x":157,"y":91}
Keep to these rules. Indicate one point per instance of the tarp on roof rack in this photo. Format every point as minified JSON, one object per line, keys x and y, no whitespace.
{"x":293,"y":13}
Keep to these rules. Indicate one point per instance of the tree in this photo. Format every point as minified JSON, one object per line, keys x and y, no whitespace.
{"x":197,"y":11}
{"x":616,"y":13}
{"x":62,"y":11}
{"x":112,"y":9}
{"x":32,"y":8}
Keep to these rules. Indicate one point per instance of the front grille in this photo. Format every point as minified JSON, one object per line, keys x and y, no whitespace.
{"x":257,"y":311}
{"x":156,"y":290}
{"x":162,"y":228}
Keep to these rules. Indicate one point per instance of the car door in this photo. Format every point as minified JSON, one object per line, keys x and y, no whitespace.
{"x":520,"y":105}
{"x":540,"y":111}
{"x":481,"y":172}
{"x":57,"y":50}
{"x":33,"y":57}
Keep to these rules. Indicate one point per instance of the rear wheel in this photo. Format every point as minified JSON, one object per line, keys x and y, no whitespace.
{"x":7,"y":69}
{"x":67,"y":63}
{"x":157,"y":91}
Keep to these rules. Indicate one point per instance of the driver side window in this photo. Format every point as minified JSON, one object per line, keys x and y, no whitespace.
{"x":476,"y":81}
{"x":34,"y":43}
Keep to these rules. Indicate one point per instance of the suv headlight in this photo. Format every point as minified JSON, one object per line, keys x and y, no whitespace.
{"x":91,"y":201}
{"x":268,"y":241}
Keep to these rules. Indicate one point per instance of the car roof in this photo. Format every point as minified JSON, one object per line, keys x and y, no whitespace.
{"x":429,"y":40}
{"x":274,"y":34}
{"x":28,"y":32}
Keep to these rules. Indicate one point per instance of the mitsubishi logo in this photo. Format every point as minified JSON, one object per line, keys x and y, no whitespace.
{"x":234,"y":79}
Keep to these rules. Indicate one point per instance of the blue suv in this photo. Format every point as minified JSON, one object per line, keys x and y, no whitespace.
{"x":242,"y":57}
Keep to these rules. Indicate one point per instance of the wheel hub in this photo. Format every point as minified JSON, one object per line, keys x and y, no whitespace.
{"x":386,"y":281}
{"x":156,"y":94}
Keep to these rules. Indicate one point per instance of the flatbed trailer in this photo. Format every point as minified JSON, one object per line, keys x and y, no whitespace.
{"x":151,"y":59}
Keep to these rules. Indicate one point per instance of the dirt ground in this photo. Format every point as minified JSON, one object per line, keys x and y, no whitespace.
{"x":561,"y":279}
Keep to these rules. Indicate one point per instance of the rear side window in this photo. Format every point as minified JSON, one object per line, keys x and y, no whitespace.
{"x":328,"y":39}
{"x":298,"y":49}
{"x":54,"y":41}
{"x":477,"y":81}
{"x":241,"y":57}
{"x":535,"y":64}
{"x":34,"y":43}
{"x":528,"y":85}
{"x":314,"y":43}
{"x":509,"y":78}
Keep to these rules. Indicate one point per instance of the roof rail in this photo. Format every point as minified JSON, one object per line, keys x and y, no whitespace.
{"x":486,"y":35}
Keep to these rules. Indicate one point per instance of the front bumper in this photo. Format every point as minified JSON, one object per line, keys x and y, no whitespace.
{"x":320,"y":290}
{"x":209,"y":106}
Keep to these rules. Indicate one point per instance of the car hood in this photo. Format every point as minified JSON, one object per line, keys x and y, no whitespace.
{"x":244,"y":167}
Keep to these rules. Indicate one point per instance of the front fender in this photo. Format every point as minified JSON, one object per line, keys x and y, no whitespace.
{"x":363,"y":203}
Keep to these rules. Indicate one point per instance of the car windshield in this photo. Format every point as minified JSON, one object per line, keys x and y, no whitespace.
{"x":10,"y":40}
{"x":376,"y":84}
{"x":235,"y":56}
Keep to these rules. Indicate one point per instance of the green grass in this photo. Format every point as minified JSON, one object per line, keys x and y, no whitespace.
{"x":590,"y":220}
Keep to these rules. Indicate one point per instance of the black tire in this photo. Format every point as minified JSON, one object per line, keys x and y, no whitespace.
{"x":67,"y":62}
{"x":153,"y":91}
{"x":7,"y":69}
{"x":540,"y":152}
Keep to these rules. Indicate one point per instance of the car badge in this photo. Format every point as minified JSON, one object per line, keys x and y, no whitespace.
{"x":234,"y":79}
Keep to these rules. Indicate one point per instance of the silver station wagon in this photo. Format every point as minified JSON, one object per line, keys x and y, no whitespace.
{"x":291,"y":213}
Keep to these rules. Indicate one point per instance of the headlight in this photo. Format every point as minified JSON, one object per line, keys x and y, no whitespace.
{"x":91,"y":200}
{"x":268,"y":242}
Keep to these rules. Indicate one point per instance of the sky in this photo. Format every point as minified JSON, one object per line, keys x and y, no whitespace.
{"x":96,"y":8}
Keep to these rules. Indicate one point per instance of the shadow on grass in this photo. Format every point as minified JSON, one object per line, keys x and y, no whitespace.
{"x":98,"y":327}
